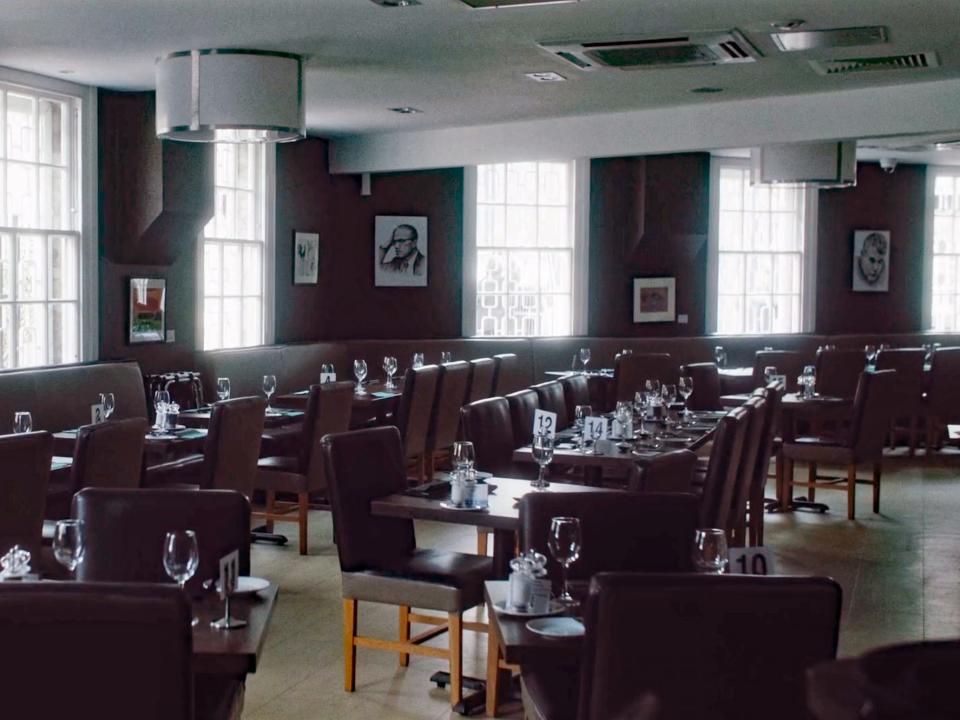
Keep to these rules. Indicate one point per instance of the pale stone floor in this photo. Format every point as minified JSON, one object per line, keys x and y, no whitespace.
{"x":898,"y":569}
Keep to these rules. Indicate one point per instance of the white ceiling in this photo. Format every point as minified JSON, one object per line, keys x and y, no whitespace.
{"x":462,"y":67}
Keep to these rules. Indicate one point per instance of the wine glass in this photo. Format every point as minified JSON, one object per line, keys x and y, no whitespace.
{"x":223,"y":388}
{"x":669,"y":394}
{"x":720,"y":355}
{"x":542,"y":447}
{"x":564,"y":544}
{"x":640,"y":406}
{"x":390,"y":367}
{"x":446,"y":357}
{"x":871,"y":352}
{"x":181,"y":557}
{"x":585,"y":358}
{"x":161,"y":398}
{"x":68,"y":545}
{"x":769,"y":374}
{"x":22,"y":422}
{"x":710,"y":552}
{"x":652,"y":387}
{"x":417,"y":360}
{"x":269,"y":388}
{"x":463,"y":455}
{"x":580,"y":414}
{"x":685,"y":388}
{"x":360,"y":370}
{"x":109,"y":404}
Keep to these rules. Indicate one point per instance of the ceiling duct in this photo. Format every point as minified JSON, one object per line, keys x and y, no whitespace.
{"x":911,"y":61}
{"x":654,"y":53}
{"x":821,"y":164}
{"x":800,"y":40}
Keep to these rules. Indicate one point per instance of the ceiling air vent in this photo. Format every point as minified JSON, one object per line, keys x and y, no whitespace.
{"x":716,"y":48}
{"x":913,"y":61}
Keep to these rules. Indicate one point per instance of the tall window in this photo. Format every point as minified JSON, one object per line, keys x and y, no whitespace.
{"x":525,"y":245}
{"x":758,"y":248}
{"x":235,"y":251}
{"x":945,"y":305}
{"x":40,"y":227}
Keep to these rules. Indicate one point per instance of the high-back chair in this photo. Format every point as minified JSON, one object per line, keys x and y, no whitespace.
{"x":908,"y":362}
{"x":632,"y":370}
{"x":706,"y":386}
{"x":747,"y":469}
{"x":788,"y":363}
{"x":487,"y":424}
{"x":480,"y":383}
{"x":304,"y":475}
{"x":380,"y":561}
{"x":505,"y":371}
{"x":445,"y":418}
{"x":109,"y":454}
{"x":838,"y":372}
{"x":717,"y":646}
{"x":124,"y":531}
{"x":523,"y":405}
{"x":576,"y":391}
{"x":943,"y":393}
{"x":771,"y":423}
{"x":873,"y":408}
{"x":720,"y":481}
{"x":413,"y":415}
{"x":24,"y":475}
{"x":127,"y":651}
{"x":670,"y":471}
{"x":550,"y":397}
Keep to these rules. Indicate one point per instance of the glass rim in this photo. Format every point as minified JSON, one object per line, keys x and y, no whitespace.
{"x":564,"y":518}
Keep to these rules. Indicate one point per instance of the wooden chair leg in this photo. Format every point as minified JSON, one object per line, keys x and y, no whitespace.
{"x":303,"y":501}
{"x":851,"y":492}
{"x":270,"y":508}
{"x":404,"y":633}
{"x":349,"y":646}
{"x":876,"y":487}
{"x":812,"y":478}
{"x":482,"y":535}
{"x":455,"y":631}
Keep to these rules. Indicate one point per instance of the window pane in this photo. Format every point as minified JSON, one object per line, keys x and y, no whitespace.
{"x":491,"y":271}
{"x":552,"y":228}
{"x":491,"y":225}
{"x":64,"y":335}
{"x":232,"y":271}
{"x":232,"y":322}
{"x":524,"y":315}
{"x":21,"y":130}
{"x":54,"y":199}
{"x":786,"y":313}
{"x":252,"y":321}
{"x":522,"y":183}
{"x":246,"y":216}
{"x":944,"y":274}
{"x":491,"y":183}
{"x":555,"y":315}
{"x":553,"y":184}
{"x":522,"y":272}
{"x":491,"y":314}
{"x":211,"y":323}
{"x":731,"y":277}
{"x":730,"y":314}
{"x":53,"y":132}
{"x":64,"y":271}
{"x":246,"y":163}
{"x":211,"y":269}
{"x":6,"y":267}
{"x":555,"y":272}
{"x":226,"y":171}
{"x":759,"y":314}
{"x":731,"y":230}
{"x":31,"y":335}
{"x":252,"y":270}
{"x":21,"y":195}
{"x":521,"y":226}
{"x":759,"y":273}
{"x":786,"y":274}
{"x":30,"y":268}
{"x":731,"y":189}
{"x":226,"y":212}
{"x":784,"y":232}
{"x":6,"y":337}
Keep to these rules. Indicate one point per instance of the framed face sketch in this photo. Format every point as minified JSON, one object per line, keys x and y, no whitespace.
{"x":306,"y":258}
{"x":400,"y":251}
{"x":147,"y":317}
{"x":871,"y":261}
{"x":654,"y":299}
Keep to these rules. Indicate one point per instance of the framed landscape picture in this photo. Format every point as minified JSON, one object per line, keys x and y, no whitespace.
{"x":400,"y":251}
{"x":306,"y":258}
{"x":147,"y":316}
{"x":654,"y":299}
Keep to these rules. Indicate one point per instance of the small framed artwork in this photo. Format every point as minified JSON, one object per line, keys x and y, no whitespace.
{"x":400,"y":251}
{"x":306,"y":258}
{"x":871,"y":261}
{"x":654,"y":299}
{"x":147,"y":317}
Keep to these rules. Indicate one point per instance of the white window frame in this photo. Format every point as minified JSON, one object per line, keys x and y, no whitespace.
{"x":84,"y":128}
{"x":268,"y":282}
{"x":580,"y":205}
{"x":808,"y":281}
{"x":928,"y":248}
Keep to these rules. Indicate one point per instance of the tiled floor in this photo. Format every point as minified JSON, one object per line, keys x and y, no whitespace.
{"x":900,"y":573}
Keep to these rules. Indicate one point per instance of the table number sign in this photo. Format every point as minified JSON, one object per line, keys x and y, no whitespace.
{"x":229,"y":571}
{"x":545,"y":423}
{"x":96,"y":413}
{"x":328,"y":377}
{"x":751,"y":561}
{"x":595,"y":428}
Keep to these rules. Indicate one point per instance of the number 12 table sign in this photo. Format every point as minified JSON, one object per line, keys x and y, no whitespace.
{"x":545,"y":423}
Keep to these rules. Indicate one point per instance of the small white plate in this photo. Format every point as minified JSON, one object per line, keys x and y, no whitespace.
{"x":450,"y":506}
{"x":247,"y":585}
{"x":555,"y":609}
{"x":557,"y":627}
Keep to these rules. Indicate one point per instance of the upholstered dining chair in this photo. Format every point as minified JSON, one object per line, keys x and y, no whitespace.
{"x":788,"y":363}
{"x":838,"y":371}
{"x":505,"y":372}
{"x":706,"y":386}
{"x":487,"y":424}
{"x":576,"y":391}
{"x":942,"y":404}
{"x":631,"y":370}
{"x":753,"y":441}
{"x":862,"y":444}
{"x":25,"y":461}
{"x":328,"y":411}
{"x":670,"y":471}
{"x":723,"y":467}
{"x":127,"y":650}
{"x":380,"y":561}
{"x":756,"y":505}
{"x":908,"y":362}
{"x":523,"y":405}
{"x":413,"y":416}
{"x":480,"y":383}
{"x":550,"y":397}
{"x":445,"y":418}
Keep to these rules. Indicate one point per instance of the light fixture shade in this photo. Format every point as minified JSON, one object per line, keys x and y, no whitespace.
{"x":229,"y":95}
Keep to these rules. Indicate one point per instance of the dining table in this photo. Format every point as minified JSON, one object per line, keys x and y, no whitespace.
{"x":273,"y":418}
{"x":377,"y":401}
{"x":158,"y":446}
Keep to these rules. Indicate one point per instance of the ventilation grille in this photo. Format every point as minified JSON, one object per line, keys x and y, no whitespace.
{"x":913,"y":61}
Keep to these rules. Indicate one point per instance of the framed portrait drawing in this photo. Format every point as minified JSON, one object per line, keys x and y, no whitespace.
{"x":871,"y":260}
{"x":654,"y":299}
{"x":400,"y":251}
{"x":147,"y":320}
{"x":306,"y":258}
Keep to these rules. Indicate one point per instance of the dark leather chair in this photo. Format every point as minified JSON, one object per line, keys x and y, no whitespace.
{"x":838,"y":372}
{"x":630,"y":371}
{"x":413,"y":415}
{"x":380,"y":561}
{"x":908,"y":362}
{"x":24,"y":475}
{"x":124,"y":531}
{"x":480,"y":384}
{"x":126,"y":651}
{"x":706,"y":386}
{"x":720,"y":481}
{"x":487,"y":424}
{"x":667,"y":472}
{"x":747,"y":467}
{"x":328,"y":411}
{"x":523,"y":404}
{"x":505,"y":371}
{"x":680,"y":646}
{"x":787,"y":362}
{"x":550,"y":397}
{"x":771,"y":423}
{"x":576,"y":391}
{"x":862,"y":444}
{"x":943,"y":394}
{"x":445,"y":417}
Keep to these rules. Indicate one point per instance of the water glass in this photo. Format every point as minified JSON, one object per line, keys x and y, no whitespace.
{"x":109,"y":404}
{"x":417,"y":360}
{"x":871,"y":352}
{"x":22,"y":422}
{"x":390,"y":368}
{"x":360,"y":371}
{"x":585,"y":357}
{"x":564,"y":545}
{"x":669,"y":394}
{"x":623,"y":414}
{"x":685,"y":388}
{"x":327,"y":371}
{"x":463,"y":455}
{"x":710,"y":553}
{"x":640,"y":406}
{"x":269,"y":387}
{"x":580,"y":415}
{"x":542,"y":448}
{"x":809,"y":380}
{"x":223,"y":388}
{"x":68,"y":545}
{"x":446,"y":357}
{"x":720,"y":355}
{"x":769,"y":374}
{"x":161,"y":399}
{"x":180,"y":555}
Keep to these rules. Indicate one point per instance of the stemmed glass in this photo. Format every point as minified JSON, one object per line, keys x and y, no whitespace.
{"x":326,"y":372}
{"x":871,"y":352}
{"x":809,"y":378}
{"x":269,"y":388}
{"x":542,"y":448}
{"x":360,"y":370}
{"x":623,"y":413}
{"x":446,"y":357}
{"x":417,"y":360}
{"x":564,"y":544}
{"x":685,"y":388}
{"x":710,"y":553}
{"x":720,"y":355}
{"x":109,"y":404}
{"x":68,"y":545}
{"x":390,"y":367}
{"x":463,"y":455}
{"x":585,"y":358}
{"x":669,"y":394}
{"x":161,"y":398}
{"x":22,"y":422}
{"x":640,"y":407}
{"x":181,"y":556}
{"x":581,"y":413}
{"x":223,"y":388}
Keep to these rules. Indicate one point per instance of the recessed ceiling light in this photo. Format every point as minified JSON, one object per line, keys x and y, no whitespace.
{"x":396,"y":3}
{"x":706,"y":90}
{"x":791,"y":24}
{"x":406,"y":110}
{"x":546,"y":76}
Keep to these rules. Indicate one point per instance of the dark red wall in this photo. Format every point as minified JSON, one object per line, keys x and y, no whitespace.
{"x":880,"y":201}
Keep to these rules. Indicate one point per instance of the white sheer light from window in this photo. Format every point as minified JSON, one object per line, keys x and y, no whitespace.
{"x":40,"y":227}
{"x":760,"y":255}
{"x":524,"y":246}
{"x":234,"y":243}
{"x":945,"y":305}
